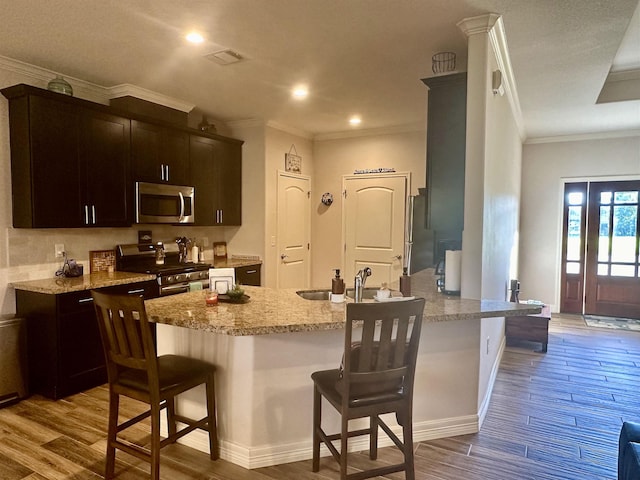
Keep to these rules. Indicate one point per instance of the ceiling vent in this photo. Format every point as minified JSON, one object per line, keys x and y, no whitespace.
{"x":224,"y":57}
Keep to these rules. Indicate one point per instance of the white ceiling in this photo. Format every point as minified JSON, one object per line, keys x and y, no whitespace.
{"x":361,"y":57}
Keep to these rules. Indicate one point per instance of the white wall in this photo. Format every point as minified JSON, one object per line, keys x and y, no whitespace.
{"x":545,"y":168}
{"x":403,"y":150}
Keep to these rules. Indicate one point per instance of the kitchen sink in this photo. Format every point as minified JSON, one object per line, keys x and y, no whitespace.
{"x":314,"y":294}
{"x":367,"y":293}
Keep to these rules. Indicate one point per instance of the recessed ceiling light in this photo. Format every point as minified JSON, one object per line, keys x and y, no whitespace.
{"x":300,"y":92}
{"x":355,"y":120}
{"x":194,"y":37}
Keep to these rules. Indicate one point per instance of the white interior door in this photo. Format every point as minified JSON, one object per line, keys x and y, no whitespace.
{"x":294,"y":230}
{"x":374,"y":226}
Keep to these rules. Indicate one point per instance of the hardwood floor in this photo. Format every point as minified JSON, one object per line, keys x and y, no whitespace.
{"x":552,"y":416}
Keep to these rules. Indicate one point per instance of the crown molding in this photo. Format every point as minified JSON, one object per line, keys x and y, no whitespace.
{"x":292,"y":130}
{"x":480,"y":24}
{"x":406,"y":128}
{"x":585,"y":136}
{"x":128,"y":89}
{"x":492,"y":25}
{"x":42,"y":76}
{"x":83,"y":89}
{"x":246,"y":123}
{"x":498,"y":40}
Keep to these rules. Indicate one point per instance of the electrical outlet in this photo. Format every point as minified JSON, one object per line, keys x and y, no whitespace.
{"x":205,"y":241}
{"x":59,"y":249}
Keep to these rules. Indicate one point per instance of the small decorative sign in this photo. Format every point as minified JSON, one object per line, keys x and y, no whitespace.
{"x":293,"y":161}
{"x":374,"y":170}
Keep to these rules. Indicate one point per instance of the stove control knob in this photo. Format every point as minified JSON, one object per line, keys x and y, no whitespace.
{"x":180,"y":277}
{"x":169,"y":279}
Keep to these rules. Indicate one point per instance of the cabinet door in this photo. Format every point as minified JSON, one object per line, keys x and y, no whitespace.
{"x":159,"y":155}
{"x":230,"y":184}
{"x":202,"y":155}
{"x":53,"y":193}
{"x":216,"y":174}
{"x":104,"y":155}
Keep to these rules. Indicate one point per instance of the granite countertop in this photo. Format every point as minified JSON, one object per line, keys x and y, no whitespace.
{"x":58,"y":285}
{"x":282,"y":310}
{"x":236,"y":262}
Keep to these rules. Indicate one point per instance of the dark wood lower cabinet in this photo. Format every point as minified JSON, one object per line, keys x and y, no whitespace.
{"x":248,"y":275}
{"x":64,"y":347}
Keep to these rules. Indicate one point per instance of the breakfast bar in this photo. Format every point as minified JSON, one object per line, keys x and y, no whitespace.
{"x":267,"y":348}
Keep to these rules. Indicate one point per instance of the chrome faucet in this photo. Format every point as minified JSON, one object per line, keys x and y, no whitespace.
{"x":359,"y":282}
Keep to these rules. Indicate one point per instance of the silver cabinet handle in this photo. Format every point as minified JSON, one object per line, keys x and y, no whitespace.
{"x":162,"y":171}
{"x":139,"y":290}
{"x":249,"y":272}
{"x":86,"y":214}
{"x":221,"y":214}
{"x":167,"y":174}
{"x":93,"y":213}
{"x":85,"y":300}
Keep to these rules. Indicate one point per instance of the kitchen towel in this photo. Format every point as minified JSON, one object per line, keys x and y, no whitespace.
{"x":452,"y":270}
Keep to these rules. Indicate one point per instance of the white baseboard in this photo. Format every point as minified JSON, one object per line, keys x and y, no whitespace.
{"x":268,"y":455}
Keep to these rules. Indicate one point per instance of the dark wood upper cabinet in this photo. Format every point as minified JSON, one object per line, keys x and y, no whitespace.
{"x":159,"y":154}
{"x":216,"y":170}
{"x":105,"y":184}
{"x":74,"y":163}
{"x":446,"y":144}
{"x":69,"y":163}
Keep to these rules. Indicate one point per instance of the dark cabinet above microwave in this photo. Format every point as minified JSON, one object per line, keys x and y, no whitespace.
{"x":74,"y":163}
{"x":69,"y":163}
{"x":159,"y":154}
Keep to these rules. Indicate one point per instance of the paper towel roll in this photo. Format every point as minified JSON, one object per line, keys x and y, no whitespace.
{"x":452,"y":270}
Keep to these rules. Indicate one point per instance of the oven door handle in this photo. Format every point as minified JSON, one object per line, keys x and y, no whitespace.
{"x":181,"y":207}
{"x":171,"y":289}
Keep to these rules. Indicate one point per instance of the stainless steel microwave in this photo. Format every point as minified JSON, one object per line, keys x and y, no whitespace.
{"x":161,"y":203}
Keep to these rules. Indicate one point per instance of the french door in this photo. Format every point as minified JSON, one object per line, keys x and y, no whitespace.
{"x":601,"y":249}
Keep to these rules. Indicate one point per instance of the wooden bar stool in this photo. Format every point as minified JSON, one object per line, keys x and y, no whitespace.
{"x":134,"y":370}
{"x":376,"y":377}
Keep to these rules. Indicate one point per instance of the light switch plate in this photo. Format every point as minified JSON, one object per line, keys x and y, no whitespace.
{"x":59,"y":249}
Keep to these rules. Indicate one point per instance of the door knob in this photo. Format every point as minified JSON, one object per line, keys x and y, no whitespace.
{"x":398,"y":257}
{"x":283,"y":256}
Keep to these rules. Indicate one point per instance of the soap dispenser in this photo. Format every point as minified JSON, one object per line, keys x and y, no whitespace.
{"x":405,"y":283}
{"x":337,"y":288}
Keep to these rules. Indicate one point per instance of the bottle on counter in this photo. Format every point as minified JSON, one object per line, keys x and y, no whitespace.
{"x":337,"y":288}
{"x":405,"y":283}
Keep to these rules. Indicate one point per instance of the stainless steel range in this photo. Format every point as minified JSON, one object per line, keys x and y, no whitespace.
{"x":173,"y":275}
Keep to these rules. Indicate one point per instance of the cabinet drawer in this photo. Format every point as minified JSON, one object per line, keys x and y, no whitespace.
{"x":75,"y":302}
{"x":248,"y":275}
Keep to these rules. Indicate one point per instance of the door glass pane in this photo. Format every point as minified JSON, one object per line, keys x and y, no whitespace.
{"x":623,"y":243}
{"x":573,"y":267}
{"x":575,"y":198}
{"x":603,"y":269}
{"x":623,"y":270}
{"x":603,"y":243}
{"x":605,"y":198}
{"x":626,"y":197}
{"x":573,"y":233}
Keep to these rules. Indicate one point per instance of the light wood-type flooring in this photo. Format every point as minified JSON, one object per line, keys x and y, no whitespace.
{"x":552,"y":416}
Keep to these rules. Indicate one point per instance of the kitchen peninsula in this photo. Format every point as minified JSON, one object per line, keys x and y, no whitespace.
{"x":267,"y":348}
